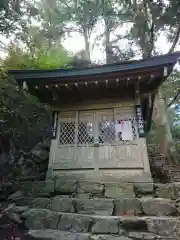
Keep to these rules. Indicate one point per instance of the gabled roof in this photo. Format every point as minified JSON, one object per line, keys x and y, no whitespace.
{"x":62,"y":85}
{"x":130,"y":67}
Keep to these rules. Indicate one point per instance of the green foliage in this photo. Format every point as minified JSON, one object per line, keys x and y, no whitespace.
{"x":15,"y":117}
{"x":9,"y":15}
{"x":55,"y":57}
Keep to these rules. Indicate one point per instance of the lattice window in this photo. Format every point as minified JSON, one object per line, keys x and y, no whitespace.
{"x":85,"y":128}
{"x":107,"y":131}
{"x":106,"y":126}
{"x":85,"y":133}
{"x":67,"y":133}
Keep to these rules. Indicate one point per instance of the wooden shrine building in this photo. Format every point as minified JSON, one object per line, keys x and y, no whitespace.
{"x":101,"y":116}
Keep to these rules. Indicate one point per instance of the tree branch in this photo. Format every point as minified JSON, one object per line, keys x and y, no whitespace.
{"x":118,"y":37}
{"x":174,"y":99}
{"x":175,"y":40}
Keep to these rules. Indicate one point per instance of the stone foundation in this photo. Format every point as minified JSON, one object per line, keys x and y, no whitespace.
{"x":71,"y":210}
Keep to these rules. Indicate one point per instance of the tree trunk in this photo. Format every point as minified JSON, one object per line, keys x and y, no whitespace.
{"x":165,"y":140}
{"x":87,"y":46}
{"x":108,"y":48}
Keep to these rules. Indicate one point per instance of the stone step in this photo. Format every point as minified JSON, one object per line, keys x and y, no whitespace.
{"x":50,"y":234}
{"x":86,"y":189}
{"x":109,"y":225}
{"x":105,"y":207}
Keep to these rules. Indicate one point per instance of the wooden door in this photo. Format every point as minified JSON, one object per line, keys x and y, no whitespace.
{"x":89,"y":140}
{"x":113,"y":151}
{"x":75,"y":141}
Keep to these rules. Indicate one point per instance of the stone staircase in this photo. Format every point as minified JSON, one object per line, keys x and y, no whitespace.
{"x":164,"y":172}
{"x":70,"y":210}
{"x":161,"y":170}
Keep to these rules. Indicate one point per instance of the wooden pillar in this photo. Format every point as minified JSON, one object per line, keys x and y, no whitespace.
{"x":142,"y":141}
{"x":54,"y":142}
{"x":54,"y":124}
{"x":139,"y":116}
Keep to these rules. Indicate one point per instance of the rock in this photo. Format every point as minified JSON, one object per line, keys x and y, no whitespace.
{"x":105,"y":226}
{"x":40,"y":218}
{"x":127,"y":206}
{"x":108,"y":237}
{"x":20,"y":209}
{"x":16,"y":195}
{"x":91,"y":187}
{"x":75,"y":223}
{"x":26,"y":188}
{"x":41,"y":151}
{"x":23,"y":201}
{"x":43,"y":188}
{"x":5,"y":190}
{"x":63,"y":196}
{"x":165,"y":191}
{"x":142,"y":235}
{"x":117,"y":190}
{"x":159,"y":207}
{"x":83,"y":195}
{"x":177,"y":189}
{"x":65,"y":187}
{"x":166,"y":227}
{"x":45,"y":203}
{"x":50,"y":234}
{"x":94,"y":206}
{"x":15,"y":217}
{"x":62,"y":204}
{"x":142,"y":189}
{"x":132,"y":224}
{"x":21,"y":161}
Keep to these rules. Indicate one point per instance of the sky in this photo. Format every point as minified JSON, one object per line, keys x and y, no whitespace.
{"x":75,"y":43}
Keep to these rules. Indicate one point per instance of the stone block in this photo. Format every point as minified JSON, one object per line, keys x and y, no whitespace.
{"x":143,"y":235}
{"x":119,"y":207}
{"x":108,"y":237}
{"x":43,"y":189}
{"x":16,"y":195}
{"x":65,"y":187}
{"x":165,"y":191}
{"x":23,"y":201}
{"x":75,"y":223}
{"x":164,"y":226}
{"x":15,"y":217}
{"x":62,"y":204}
{"x":95,"y":206}
{"x":105,"y":226}
{"x":127,"y":206}
{"x":20,"y":209}
{"x":143,"y":189}
{"x":159,"y":207}
{"x":40,"y":218}
{"x":83,"y":195}
{"x":118,"y":190}
{"x":45,"y":203}
{"x":91,"y":187}
{"x":50,"y":234}
{"x":177,"y":189}
{"x":26,"y":188}
{"x":132,"y":224}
